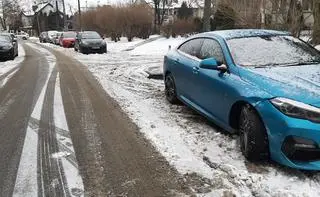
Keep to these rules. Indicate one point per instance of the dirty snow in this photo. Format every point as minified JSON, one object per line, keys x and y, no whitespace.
{"x":186,"y":139}
{"x":27,"y":181}
{"x":11,"y":66}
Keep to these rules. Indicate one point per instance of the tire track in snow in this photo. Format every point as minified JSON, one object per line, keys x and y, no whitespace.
{"x":42,"y":167}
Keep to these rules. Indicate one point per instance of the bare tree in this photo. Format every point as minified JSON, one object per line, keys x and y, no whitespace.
{"x":316,"y":26}
{"x":159,"y":12}
{"x":11,"y":11}
{"x":206,"y":15}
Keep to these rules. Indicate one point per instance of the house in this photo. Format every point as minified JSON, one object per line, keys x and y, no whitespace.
{"x":170,"y":9}
{"x":44,"y":16}
{"x":27,"y":22}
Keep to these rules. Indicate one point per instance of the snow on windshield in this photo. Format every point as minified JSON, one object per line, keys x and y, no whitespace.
{"x":271,"y":50}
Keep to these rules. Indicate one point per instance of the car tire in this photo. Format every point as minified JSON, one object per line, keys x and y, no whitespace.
{"x":253,"y":135}
{"x":170,"y":89}
{"x":12,"y":56}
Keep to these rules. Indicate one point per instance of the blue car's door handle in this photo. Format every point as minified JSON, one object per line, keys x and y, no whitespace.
{"x":195,"y":70}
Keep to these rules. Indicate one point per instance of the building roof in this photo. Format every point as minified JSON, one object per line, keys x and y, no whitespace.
{"x":40,"y":7}
{"x":240,"y":33}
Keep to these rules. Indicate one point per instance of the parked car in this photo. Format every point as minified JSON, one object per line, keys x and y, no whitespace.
{"x":14,"y":41}
{"x":68,"y":39}
{"x":263,"y":84}
{"x":90,"y":42}
{"x":57,"y":38}
{"x":7,"y":48}
{"x":52,"y":36}
{"x":23,"y":35}
{"x":43,"y":38}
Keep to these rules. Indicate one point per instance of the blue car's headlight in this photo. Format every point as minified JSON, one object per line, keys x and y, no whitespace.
{"x":297,"y":109}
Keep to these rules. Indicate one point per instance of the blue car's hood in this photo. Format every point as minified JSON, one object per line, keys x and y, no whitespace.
{"x":300,"y":83}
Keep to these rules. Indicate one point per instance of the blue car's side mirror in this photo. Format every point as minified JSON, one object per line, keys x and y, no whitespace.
{"x":210,"y":63}
{"x":213,"y":64}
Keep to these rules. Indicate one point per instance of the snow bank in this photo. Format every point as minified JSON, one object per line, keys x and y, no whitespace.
{"x":158,"y":47}
{"x":10,"y":64}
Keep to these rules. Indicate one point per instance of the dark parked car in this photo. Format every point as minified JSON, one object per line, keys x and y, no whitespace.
{"x":90,"y":42}
{"x":44,"y":37}
{"x":14,"y":41}
{"x":8,"y":48}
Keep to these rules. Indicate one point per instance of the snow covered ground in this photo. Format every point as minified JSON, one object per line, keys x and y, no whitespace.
{"x":199,"y":150}
{"x":6,"y":66}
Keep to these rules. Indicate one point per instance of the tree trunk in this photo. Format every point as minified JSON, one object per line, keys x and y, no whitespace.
{"x":316,"y":25}
{"x":206,"y":15}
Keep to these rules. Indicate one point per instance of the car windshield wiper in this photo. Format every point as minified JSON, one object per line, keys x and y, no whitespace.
{"x":288,"y":64}
{"x":301,"y":63}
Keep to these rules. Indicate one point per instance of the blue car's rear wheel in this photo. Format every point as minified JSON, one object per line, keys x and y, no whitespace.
{"x":253,"y":135}
{"x":170,"y":89}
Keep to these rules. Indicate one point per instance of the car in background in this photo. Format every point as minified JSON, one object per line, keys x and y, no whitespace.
{"x":14,"y":41}
{"x":90,"y":42}
{"x":23,"y":35}
{"x":52,"y":36}
{"x":57,"y":38}
{"x":263,"y":84}
{"x":68,"y":39}
{"x":44,"y":38}
{"x":7,"y":48}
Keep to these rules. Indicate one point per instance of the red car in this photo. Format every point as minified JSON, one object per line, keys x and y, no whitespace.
{"x":67,"y":39}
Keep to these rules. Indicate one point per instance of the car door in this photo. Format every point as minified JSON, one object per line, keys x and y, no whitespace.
{"x":185,"y":63}
{"x":213,"y":85}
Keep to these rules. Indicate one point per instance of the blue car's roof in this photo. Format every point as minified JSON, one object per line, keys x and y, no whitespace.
{"x":242,"y":33}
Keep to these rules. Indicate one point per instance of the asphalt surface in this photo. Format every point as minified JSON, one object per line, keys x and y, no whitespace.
{"x":111,"y":155}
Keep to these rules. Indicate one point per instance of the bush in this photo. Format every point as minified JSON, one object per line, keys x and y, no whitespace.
{"x":180,"y":27}
{"x":123,"y":20}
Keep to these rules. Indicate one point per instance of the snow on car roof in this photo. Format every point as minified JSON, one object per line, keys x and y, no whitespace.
{"x":241,"y":33}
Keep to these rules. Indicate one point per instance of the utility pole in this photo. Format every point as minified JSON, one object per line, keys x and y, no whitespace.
{"x":64,"y":16}
{"x":79,"y":10}
{"x":57,"y":15}
{"x":206,"y":15}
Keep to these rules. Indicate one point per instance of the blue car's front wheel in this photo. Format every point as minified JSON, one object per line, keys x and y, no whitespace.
{"x":170,"y":89}
{"x":253,"y":135}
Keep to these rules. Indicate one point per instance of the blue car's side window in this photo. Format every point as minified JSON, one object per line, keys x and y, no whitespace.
{"x":192,"y":47}
{"x":211,"y":48}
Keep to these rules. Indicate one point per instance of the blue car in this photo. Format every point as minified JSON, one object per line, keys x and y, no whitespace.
{"x":263,"y":84}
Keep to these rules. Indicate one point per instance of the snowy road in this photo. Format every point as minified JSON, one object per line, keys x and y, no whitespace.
{"x":62,"y":135}
{"x":199,"y":150}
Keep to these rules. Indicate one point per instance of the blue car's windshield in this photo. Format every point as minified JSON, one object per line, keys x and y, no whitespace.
{"x":272,"y":51}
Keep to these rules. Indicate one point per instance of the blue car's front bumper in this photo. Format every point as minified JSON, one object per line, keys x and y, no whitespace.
{"x":281,"y":127}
